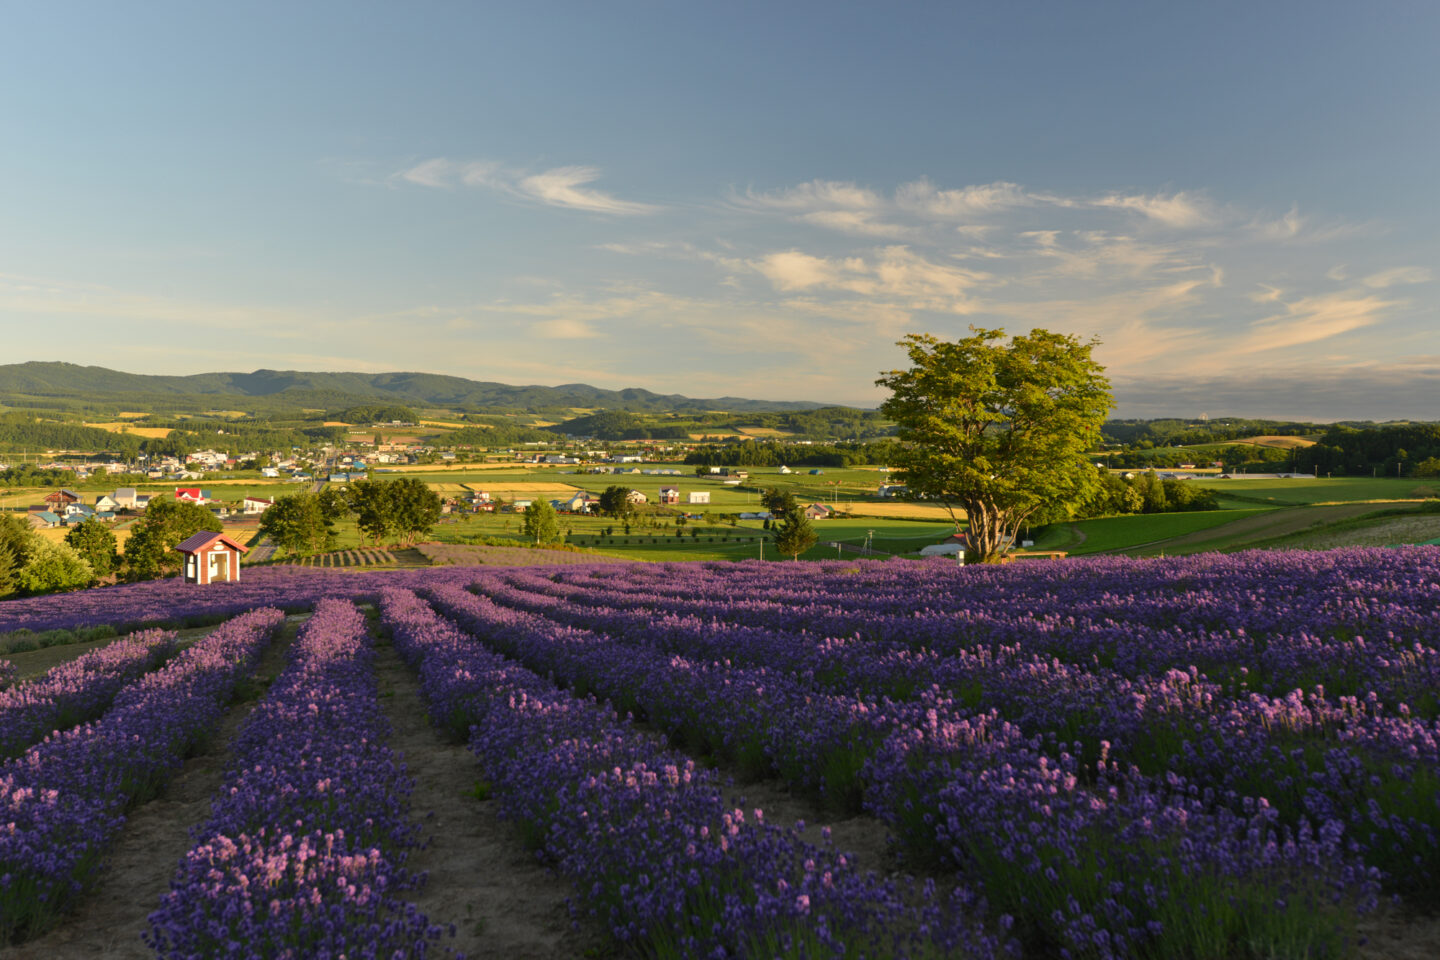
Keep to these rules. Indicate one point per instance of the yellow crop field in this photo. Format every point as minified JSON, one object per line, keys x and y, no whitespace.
{"x":451,"y":467}
{"x":905,"y":511}
{"x":336,"y":423}
{"x":449,"y":425}
{"x":506,"y":487}
{"x":1282,"y":443}
{"x":118,"y":426}
{"x":57,"y":535}
{"x":131,"y":415}
{"x":763,"y":432}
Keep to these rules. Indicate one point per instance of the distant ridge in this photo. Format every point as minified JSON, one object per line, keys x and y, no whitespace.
{"x":68,"y":380}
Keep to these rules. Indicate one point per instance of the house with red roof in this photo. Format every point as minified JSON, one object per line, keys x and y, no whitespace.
{"x":211,"y":557}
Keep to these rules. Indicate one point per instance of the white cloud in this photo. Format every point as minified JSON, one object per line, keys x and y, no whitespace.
{"x":1182,"y":210}
{"x":793,"y":270}
{"x":924,"y":198}
{"x":1396,"y":276}
{"x":565,"y":328}
{"x":1312,"y":319}
{"x":556,"y":187}
{"x":429,"y":173}
{"x":565,"y":187}
{"x":815,"y":195}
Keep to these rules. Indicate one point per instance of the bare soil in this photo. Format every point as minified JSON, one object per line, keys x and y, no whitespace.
{"x":111,"y":918}
{"x":503,"y":901}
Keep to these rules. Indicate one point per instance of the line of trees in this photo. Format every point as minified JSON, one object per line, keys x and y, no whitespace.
{"x":403,"y":509}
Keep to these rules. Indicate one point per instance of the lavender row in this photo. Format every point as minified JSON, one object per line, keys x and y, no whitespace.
{"x":975,"y":795}
{"x":78,"y":690}
{"x":1375,"y":767}
{"x":62,"y":802}
{"x":304,"y":853}
{"x":9,"y":673}
{"x":655,"y":853}
{"x":1356,"y":621}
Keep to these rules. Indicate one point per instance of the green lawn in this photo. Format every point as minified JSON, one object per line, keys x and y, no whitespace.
{"x":1106,"y":534}
{"x":1321,"y":490}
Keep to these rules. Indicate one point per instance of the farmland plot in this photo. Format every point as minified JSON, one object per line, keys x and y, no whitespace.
{"x":1218,"y":756}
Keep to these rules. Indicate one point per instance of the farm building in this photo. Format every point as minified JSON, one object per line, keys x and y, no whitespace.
{"x":635,"y":496}
{"x":669,"y":494}
{"x":256,"y":505}
{"x":61,"y":498}
{"x":105,"y":502}
{"x":42,"y":518}
{"x":191,"y":495}
{"x":818,"y":511}
{"x":211,"y":558}
{"x":699,"y":496}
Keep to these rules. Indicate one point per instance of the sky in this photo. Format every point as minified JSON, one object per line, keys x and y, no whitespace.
{"x":1238,"y":201}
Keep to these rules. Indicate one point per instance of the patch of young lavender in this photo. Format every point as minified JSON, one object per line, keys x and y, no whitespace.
{"x":645,"y":834}
{"x":76,"y":691}
{"x":304,"y":853}
{"x":62,"y":802}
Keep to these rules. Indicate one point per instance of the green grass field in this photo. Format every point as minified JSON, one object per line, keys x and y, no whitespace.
{"x":1109,"y":534}
{"x":1322,"y":490}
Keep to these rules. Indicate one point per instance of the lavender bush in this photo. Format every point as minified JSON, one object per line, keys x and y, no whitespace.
{"x":304,"y":853}
{"x":62,"y":801}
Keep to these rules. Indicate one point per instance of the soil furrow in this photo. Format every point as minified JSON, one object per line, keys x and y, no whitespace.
{"x":503,"y":902}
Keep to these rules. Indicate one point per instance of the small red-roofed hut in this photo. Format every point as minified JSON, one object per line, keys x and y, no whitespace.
{"x":211,"y":558}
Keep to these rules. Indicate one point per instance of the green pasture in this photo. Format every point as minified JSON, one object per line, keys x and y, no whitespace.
{"x":1321,"y":490}
{"x":1125,"y":533}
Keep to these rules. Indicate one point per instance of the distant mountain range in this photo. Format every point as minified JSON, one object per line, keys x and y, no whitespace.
{"x":71,"y":381}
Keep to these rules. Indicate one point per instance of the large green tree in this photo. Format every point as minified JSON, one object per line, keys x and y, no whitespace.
{"x":996,"y":430}
{"x":779,"y":502}
{"x":416,"y":507}
{"x":299,"y":522}
{"x":150,"y":551}
{"x":794,"y":534}
{"x":95,"y":542}
{"x":51,"y":567}
{"x":374,"y":509}
{"x":541,"y":522}
{"x":17,"y":542}
{"x":615,"y":502}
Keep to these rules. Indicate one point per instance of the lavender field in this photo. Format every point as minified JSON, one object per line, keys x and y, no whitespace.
{"x":1208,"y":757}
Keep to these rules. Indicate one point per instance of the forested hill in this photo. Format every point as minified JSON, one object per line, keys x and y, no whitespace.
{"x":41,"y":380}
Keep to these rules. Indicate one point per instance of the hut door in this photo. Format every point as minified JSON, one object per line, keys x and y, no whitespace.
{"x":214,"y":565}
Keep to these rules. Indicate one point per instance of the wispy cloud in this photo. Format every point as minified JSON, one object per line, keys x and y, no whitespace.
{"x":565,"y":187}
{"x":1183,"y":210}
{"x":1396,"y":276}
{"x":1312,"y":319}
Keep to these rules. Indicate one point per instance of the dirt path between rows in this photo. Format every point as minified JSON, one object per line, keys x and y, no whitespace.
{"x":503,"y":902}
{"x":112,"y":916}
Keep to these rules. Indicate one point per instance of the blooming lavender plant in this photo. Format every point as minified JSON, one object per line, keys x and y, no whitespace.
{"x":62,"y":802}
{"x":304,"y":853}
{"x":655,"y":853}
{"x":78,"y":690}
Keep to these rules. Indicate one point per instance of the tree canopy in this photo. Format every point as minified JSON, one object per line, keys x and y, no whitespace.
{"x":794,"y":534}
{"x":615,"y":502}
{"x":150,"y":551}
{"x":541,"y":522}
{"x":999,"y":430}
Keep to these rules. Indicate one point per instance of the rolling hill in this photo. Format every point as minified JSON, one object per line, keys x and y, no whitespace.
{"x":38,"y":380}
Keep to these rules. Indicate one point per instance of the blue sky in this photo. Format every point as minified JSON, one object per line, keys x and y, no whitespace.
{"x":1238,"y":200}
